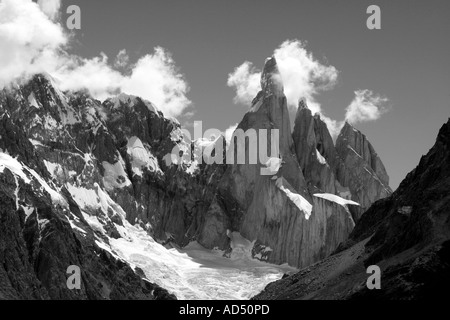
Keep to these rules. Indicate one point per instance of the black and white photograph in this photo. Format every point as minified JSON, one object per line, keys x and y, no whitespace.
{"x":224,"y":154}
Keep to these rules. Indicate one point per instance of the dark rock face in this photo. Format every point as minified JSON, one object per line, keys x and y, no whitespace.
{"x":63,"y":146}
{"x":407,"y":235}
{"x":263,"y":209}
{"x":361,"y":170}
{"x":38,"y":244}
{"x":316,"y":152}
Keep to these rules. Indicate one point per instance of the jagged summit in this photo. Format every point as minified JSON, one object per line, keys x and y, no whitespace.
{"x":271,"y":82}
{"x":124,"y":99}
{"x":287,"y":211}
{"x":346,"y":127}
{"x":302,"y":104}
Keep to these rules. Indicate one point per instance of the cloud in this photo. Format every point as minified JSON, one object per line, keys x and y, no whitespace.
{"x":366,"y":106}
{"x":30,"y":43}
{"x":95,"y":75}
{"x":50,"y":7}
{"x":155,"y":77}
{"x":246,"y":79}
{"x":304,"y":77}
{"x":122,"y":59}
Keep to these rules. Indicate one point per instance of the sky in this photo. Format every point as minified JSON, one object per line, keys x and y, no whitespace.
{"x":403,"y":67}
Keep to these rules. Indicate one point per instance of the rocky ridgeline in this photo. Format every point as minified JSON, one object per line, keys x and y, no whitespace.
{"x":268,"y":210}
{"x":407,"y":235}
{"x":74,"y":171}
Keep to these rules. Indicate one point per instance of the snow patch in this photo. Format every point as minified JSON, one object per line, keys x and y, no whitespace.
{"x":50,"y":123}
{"x":193,"y":167}
{"x":36,"y":143}
{"x":336,"y":199}
{"x":320,"y":158}
{"x":54,"y":169}
{"x":28,"y":211}
{"x":75,"y":227}
{"x":141,"y":157}
{"x":300,"y":202}
{"x":56,"y":197}
{"x":115,"y":175}
{"x":6,"y":161}
{"x":273,"y":165}
{"x":32,"y":101}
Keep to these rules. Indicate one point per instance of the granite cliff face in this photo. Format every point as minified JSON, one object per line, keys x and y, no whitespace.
{"x":76,"y":175}
{"x":361,"y":169}
{"x":301,"y":212}
{"x":406,"y":234}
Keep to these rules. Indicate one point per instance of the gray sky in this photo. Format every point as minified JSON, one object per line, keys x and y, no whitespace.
{"x":406,"y":61}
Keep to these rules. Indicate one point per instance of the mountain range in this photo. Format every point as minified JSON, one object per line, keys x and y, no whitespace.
{"x":79,"y":176}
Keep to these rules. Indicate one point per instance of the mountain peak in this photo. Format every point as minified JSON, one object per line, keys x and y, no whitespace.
{"x":302,"y":104}
{"x":271,"y":82}
{"x":348,"y":128}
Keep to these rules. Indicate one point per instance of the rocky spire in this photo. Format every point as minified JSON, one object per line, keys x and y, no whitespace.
{"x":271,"y":82}
{"x":353,"y":138}
{"x":361,"y":169}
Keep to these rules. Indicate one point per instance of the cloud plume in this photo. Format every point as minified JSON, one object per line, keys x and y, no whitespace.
{"x":246,"y":80}
{"x":304,"y":77}
{"x":50,"y":7}
{"x":29,"y":40}
{"x":366,"y":106}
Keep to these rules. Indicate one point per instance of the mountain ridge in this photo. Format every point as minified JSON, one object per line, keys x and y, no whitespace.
{"x":406,"y":234}
{"x":94,"y":170}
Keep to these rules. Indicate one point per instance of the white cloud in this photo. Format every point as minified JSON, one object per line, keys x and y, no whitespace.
{"x":156,"y":78}
{"x":95,"y":75}
{"x":122,"y":59}
{"x":50,"y":7}
{"x":304,"y":77}
{"x":366,"y":106}
{"x":30,"y":43}
{"x":247,"y":81}
{"x":28,"y":40}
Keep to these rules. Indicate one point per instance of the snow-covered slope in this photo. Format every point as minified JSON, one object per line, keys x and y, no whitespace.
{"x":98,"y":169}
{"x":194,"y":272}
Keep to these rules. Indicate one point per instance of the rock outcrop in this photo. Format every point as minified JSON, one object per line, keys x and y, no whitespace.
{"x":406,"y":234}
{"x":42,"y":233}
{"x":361,"y":169}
